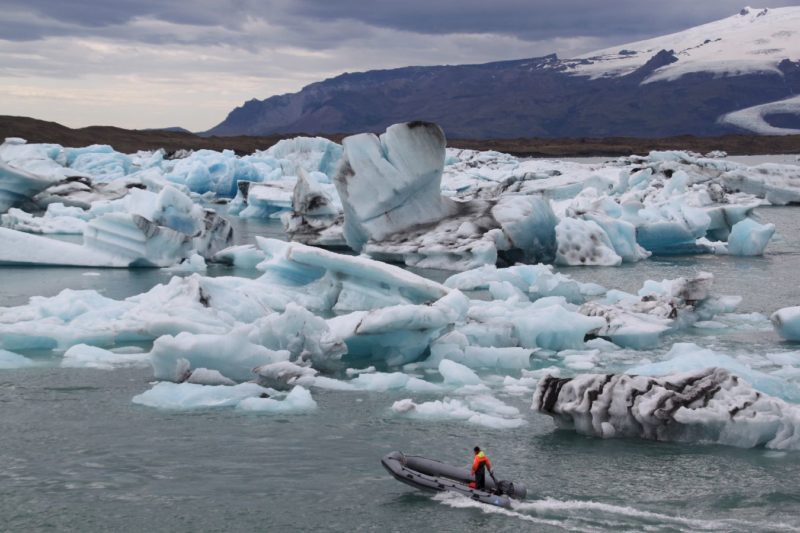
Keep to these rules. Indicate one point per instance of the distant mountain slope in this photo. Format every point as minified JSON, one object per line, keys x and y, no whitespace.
{"x":673,"y":85}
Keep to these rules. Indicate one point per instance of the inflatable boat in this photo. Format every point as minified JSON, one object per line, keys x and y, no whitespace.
{"x":428,"y":474}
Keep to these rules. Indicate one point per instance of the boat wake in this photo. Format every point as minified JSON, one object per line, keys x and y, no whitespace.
{"x":591,"y":516}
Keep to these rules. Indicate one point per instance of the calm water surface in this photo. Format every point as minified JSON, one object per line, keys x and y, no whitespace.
{"x":77,"y":455}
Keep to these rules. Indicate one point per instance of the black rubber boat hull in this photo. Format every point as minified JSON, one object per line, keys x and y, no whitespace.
{"x":427,"y":474}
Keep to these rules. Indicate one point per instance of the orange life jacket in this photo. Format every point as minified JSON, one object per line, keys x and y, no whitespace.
{"x":480,"y":462}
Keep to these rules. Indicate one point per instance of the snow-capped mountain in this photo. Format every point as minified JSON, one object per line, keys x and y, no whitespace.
{"x":738,"y":74}
{"x":752,"y":41}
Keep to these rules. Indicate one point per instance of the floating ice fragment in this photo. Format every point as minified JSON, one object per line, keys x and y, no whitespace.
{"x":180,"y":396}
{"x":297,"y":401}
{"x":787,"y":322}
{"x":85,"y":356}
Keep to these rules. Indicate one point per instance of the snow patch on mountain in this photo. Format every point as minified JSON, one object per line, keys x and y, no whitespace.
{"x":752,"y":41}
{"x":754,"y":118}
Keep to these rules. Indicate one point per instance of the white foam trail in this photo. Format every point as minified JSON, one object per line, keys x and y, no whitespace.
{"x":461,"y":502}
{"x":565,"y":514}
{"x":573,"y":507}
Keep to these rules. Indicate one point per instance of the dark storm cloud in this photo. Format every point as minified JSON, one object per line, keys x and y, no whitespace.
{"x":529,"y":20}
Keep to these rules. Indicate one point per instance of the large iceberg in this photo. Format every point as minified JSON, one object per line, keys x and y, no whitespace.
{"x":390,"y":188}
{"x":707,"y":405}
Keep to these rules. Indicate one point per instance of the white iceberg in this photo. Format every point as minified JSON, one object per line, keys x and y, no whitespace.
{"x":481,"y":410}
{"x":85,"y":356}
{"x":185,"y":396}
{"x":787,"y":322}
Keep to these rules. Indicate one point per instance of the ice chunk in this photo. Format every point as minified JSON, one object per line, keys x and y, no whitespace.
{"x":397,"y":334}
{"x":306,"y":153}
{"x":58,"y":219}
{"x":9,"y":360}
{"x":582,"y":242}
{"x":181,"y":396}
{"x":506,"y":358}
{"x":209,"y":171}
{"x":536,"y":281}
{"x":282,"y":374}
{"x":778,"y":184}
{"x":193,"y":263}
{"x":329,"y":281}
{"x":17,"y":186}
{"x":204,"y":376}
{"x":686,"y":357}
{"x":383,"y":381}
{"x":457,"y":375}
{"x":233,"y":355}
{"x":708,"y":405}
{"x":307,"y":337}
{"x":297,"y":401}
{"x":394,"y":210}
{"x":787,"y":322}
{"x":266,"y":200}
{"x":85,"y":356}
{"x":392,"y":183}
{"x":480,"y":411}
{"x":245,"y":256}
{"x":529,"y":228}
{"x":316,"y":213}
{"x":554,"y":327}
{"x":748,"y":237}
{"x":143,"y":229}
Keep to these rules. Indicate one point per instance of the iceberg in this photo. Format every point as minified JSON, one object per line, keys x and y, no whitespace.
{"x":185,"y":396}
{"x":58,"y":219}
{"x":142,"y":230}
{"x":10,"y":360}
{"x":298,"y":400}
{"x":324,"y":281}
{"x":85,"y":356}
{"x":231,"y":354}
{"x":748,"y":237}
{"x":397,"y":334}
{"x":18,"y":186}
{"x":707,"y":405}
{"x":316,"y":215}
{"x":114,"y":240}
{"x":390,"y":188}
{"x":481,"y":410}
{"x":787,"y":322}
{"x":686,"y":357}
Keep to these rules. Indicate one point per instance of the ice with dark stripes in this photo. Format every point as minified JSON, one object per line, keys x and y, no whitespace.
{"x":707,"y":405}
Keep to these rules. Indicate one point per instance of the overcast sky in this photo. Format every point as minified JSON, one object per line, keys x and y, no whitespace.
{"x":158,"y":63}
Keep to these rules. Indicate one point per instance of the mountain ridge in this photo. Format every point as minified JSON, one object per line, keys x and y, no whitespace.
{"x":548,"y":97}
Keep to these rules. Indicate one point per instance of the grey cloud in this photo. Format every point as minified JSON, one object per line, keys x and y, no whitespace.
{"x":526,"y":19}
{"x":320,"y":24}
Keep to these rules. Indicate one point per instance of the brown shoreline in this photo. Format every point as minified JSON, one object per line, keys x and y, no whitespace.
{"x":40,"y":131}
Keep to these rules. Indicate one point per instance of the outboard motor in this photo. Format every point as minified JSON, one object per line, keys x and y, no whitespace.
{"x":510,"y":489}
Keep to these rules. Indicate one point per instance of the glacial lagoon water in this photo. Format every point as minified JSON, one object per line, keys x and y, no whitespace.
{"x":77,"y":455}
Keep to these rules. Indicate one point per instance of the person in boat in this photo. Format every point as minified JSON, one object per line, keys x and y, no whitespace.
{"x":480,"y":464}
